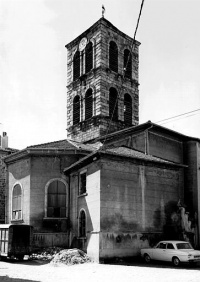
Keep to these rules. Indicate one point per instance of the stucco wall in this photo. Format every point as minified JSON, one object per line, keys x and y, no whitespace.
{"x":192,"y":183}
{"x":43,"y":169}
{"x":191,"y":190}
{"x":90,"y":203}
{"x":135,"y":200}
{"x":165,"y":147}
{"x":19,"y":173}
{"x":158,"y":144}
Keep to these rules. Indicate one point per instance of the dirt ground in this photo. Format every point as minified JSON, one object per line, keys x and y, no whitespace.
{"x":40,"y":271}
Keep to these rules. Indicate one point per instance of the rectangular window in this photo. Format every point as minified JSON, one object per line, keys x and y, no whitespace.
{"x":82,"y":183}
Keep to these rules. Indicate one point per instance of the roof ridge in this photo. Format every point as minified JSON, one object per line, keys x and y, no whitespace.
{"x":47,"y":143}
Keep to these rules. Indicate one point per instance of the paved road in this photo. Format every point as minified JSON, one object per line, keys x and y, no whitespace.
{"x":37,"y":271}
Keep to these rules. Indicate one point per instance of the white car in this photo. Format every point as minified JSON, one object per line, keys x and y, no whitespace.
{"x":172,"y":251}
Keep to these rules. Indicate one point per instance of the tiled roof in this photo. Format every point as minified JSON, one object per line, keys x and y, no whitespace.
{"x":67,"y":145}
{"x":121,"y":152}
{"x":10,"y":150}
{"x":128,"y":152}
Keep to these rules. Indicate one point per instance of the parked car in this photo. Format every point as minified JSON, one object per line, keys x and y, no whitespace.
{"x":172,"y":251}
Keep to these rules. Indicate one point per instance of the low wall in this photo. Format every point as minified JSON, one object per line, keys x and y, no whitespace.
{"x":41,"y":240}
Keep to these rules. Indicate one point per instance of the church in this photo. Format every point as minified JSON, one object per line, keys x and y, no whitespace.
{"x":113,"y":185}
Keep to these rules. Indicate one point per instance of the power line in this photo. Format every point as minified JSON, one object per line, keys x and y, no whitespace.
{"x":119,"y":92}
{"x":177,"y":116}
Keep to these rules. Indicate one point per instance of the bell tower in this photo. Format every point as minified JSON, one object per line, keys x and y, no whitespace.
{"x":102,"y":82}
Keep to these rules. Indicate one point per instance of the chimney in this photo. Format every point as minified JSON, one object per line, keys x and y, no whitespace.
{"x":4,"y":141}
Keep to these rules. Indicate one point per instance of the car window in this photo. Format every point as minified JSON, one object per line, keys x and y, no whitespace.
{"x":183,"y":246}
{"x":161,"y":246}
{"x":170,"y":246}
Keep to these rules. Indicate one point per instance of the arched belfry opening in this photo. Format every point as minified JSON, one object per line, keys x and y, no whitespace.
{"x":113,"y":104}
{"x":88,"y":57}
{"x":127,"y":109}
{"x":76,"y":110}
{"x":76,"y":65}
{"x":98,"y":103}
{"x":113,"y":56}
{"x":88,"y":104}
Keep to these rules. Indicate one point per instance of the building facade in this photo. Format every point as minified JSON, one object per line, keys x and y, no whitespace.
{"x":4,"y":151}
{"x":114,"y":185}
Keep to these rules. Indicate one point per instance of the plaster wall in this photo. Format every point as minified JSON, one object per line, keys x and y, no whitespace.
{"x":191,"y":177}
{"x":43,"y":169}
{"x":19,"y":173}
{"x":165,"y":147}
{"x":192,"y":183}
{"x":90,"y":203}
{"x":135,"y":200}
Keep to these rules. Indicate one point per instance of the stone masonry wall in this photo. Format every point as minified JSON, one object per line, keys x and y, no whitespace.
{"x":100,"y":79}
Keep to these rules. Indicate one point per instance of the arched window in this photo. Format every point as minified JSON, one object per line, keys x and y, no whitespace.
{"x":17,"y":202}
{"x":56,"y":199}
{"x":113,"y":104}
{"x":127,"y":109}
{"x":113,"y":56}
{"x":88,"y":57}
{"x":76,"y":65}
{"x":88,"y":104}
{"x":82,"y":224}
{"x":128,"y":63}
{"x":76,"y":110}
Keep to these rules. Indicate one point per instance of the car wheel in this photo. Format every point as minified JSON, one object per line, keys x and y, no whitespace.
{"x":147,"y":258}
{"x":175,"y":261}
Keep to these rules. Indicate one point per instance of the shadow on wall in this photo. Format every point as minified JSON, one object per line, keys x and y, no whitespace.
{"x":179,"y":225}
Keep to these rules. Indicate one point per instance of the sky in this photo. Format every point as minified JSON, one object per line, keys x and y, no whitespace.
{"x":33,"y":62}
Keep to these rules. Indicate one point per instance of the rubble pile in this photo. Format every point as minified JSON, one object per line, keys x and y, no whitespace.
{"x":70,"y":257}
{"x":46,"y":254}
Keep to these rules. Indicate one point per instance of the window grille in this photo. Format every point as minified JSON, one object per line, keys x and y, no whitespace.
{"x":76,"y":110}
{"x":76,"y":65}
{"x":113,"y":56}
{"x":88,"y":57}
{"x":127,"y":109}
{"x":82,"y":224}
{"x":128,"y":63}
{"x":113,"y":104}
{"x":17,"y":202}
{"x":88,"y":104}
{"x":56,"y":201}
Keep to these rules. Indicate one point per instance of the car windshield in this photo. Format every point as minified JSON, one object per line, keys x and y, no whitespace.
{"x":183,"y":246}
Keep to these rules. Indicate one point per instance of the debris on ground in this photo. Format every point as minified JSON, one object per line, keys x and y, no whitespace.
{"x":70,"y":257}
{"x":58,"y":256}
{"x":46,"y":254}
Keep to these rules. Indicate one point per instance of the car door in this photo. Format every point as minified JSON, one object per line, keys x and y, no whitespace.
{"x":159,"y":253}
{"x":170,"y":251}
